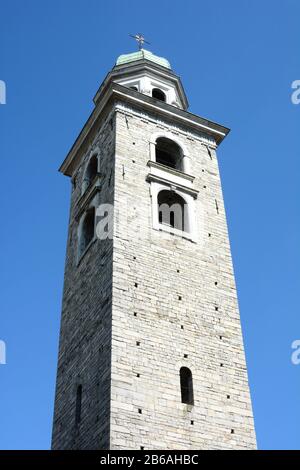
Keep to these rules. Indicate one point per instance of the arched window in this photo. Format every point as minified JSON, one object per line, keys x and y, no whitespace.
{"x":186,"y":385}
{"x":168,"y":153}
{"x":87,"y":230}
{"x":172,"y":210}
{"x":90,"y":172}
{"x":78,"y":405}
{"x":158,"y":94}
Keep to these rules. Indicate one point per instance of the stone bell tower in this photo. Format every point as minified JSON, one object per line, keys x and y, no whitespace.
{"x":151,"y":353}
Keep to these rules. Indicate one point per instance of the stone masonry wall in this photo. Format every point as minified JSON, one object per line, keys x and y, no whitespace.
{"x":139,"y":307}
{"x":172,"y":298}
{"x":85,"y":337}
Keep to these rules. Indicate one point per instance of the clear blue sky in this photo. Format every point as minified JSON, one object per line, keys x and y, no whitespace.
{"x":237,"y":60}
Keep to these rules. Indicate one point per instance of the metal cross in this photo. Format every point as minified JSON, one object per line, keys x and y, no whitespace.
{"x":140,"y":40}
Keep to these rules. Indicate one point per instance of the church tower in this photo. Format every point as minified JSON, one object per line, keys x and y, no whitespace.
{"x":151,"y":353}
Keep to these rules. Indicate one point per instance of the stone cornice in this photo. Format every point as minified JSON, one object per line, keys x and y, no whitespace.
{"x":170,"y":183}
{"x":119,"y":93}
{"x":171,"y":171}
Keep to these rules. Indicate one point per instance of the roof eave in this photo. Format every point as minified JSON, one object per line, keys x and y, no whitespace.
{"x":119,"y":92}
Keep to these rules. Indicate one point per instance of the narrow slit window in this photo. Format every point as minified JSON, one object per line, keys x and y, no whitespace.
{"x":186,"y":385}
{"x":78,"y":405}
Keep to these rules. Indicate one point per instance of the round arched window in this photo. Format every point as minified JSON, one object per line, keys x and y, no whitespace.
{"x":158,"y":94}
{"x":168,"y":153}
{"x":90,"y":172}
{"x":172,"y":210}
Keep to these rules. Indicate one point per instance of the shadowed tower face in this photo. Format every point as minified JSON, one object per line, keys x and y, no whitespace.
{"x":151,"y":353}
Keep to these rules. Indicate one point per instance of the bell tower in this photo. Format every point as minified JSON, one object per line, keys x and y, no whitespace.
{"x":151,"y":353}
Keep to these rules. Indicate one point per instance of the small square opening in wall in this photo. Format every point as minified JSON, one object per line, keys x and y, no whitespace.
{"x":140,"y":411}
{"x":138,"y":375}
{"x":142,"y":447}
{"x":178,"y":270}
{"x":185,"y":356}
{"x":232,"y":431}
{"x":209,"y":234}
{"x":221,"y":365}
{"x":216,"y":283}
{"x":182,"y":327}
{"x":179,"y":297}
{"x":133,"y":161}
{"x":192,"y":422}
{"x":138,"y":343}
{"x":134,"y":257}
{"x":216,"y":309}
{"x":221,"y":337}
{"x":134,"y":314}
{"x":228,"y":397}
{"x":135,"y":284}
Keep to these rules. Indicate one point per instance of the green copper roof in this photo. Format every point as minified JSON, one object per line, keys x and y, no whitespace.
{"x":143,"y":54}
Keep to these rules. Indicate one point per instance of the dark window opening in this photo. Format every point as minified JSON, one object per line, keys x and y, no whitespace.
{"x":186,"y":385}
{"x":78,"y":405}
{"x":91,"y":172}
{"x":165,"y":159}
{"x":168,"y":153}
{"x":134,"y":88}
{"x":158,"y":94}
{"x":172,"y":210}
{"x":88,"y":229}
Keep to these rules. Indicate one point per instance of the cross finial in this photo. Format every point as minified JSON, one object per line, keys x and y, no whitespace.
{"x":139,"y":39}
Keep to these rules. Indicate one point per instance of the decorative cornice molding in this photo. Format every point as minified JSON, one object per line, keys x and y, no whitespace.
{"x":119,"y":93}
{"x":158,"y":179}
{"x":172,"y":171}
